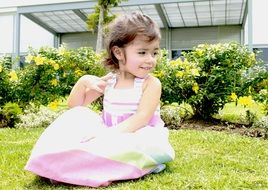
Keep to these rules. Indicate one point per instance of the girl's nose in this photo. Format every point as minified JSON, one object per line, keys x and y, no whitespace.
{"x":151,"y":58}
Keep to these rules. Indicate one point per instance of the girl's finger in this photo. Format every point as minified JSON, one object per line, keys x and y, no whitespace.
{"x":98,"y":89}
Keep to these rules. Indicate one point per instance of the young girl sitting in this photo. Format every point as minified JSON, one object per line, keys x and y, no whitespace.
{"x":129,"y":139}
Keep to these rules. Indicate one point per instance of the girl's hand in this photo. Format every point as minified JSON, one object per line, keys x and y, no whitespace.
{"x":87,"y":89}
{"x":96,"y":83}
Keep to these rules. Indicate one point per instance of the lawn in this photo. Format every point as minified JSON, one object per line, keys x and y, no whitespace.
{"x":204,"y":160}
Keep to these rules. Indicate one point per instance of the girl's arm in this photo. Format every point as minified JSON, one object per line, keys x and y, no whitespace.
{"x":87,"y":89}
{"x":148,"y":104}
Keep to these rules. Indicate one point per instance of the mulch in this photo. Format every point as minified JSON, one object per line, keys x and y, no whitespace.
{"x":225,"y":127}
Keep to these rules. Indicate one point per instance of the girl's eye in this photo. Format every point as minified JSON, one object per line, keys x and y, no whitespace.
{"x":155,"y":54}
{"x":142,"y":52}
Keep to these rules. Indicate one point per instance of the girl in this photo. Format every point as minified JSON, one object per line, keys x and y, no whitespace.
{"x":129,"y":140}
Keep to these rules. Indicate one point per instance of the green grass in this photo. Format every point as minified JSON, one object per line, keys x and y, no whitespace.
{"x":204,"y":160}
{"x":237,"y":114}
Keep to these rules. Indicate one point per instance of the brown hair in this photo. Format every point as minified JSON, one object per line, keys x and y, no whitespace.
{"x":125,"y":29}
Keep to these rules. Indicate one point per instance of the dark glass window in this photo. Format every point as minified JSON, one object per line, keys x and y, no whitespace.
{"x":262,"y":53}
{"x":175,"y":54}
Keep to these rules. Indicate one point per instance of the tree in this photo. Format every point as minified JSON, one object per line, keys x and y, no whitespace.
{"x":99,"y":18}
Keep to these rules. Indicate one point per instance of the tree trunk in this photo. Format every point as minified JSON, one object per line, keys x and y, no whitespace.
{"x":99,"y":45}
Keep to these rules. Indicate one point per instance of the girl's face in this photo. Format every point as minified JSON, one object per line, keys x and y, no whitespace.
{"x":140,"y":57}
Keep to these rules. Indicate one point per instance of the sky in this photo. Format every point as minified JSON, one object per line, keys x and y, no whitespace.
{"x":35,"y":36}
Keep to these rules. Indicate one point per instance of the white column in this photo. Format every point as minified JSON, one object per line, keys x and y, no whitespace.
{"x":250,"y":26}
{"x":16,"y":40}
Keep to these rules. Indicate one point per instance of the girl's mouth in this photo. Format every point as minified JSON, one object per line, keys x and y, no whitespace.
{"x":146,"y":68}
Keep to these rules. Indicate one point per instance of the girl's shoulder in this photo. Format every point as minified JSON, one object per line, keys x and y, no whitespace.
{"x":151,"y":81}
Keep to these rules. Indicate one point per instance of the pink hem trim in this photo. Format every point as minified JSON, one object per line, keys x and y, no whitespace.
{"x":83,"y":168}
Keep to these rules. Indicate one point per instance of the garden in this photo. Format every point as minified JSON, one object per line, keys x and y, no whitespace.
{"x":214,"y":101}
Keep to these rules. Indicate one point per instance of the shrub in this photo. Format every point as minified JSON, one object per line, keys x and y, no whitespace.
{"x":185,"y":111}
{"x":5,"y":83}
{"x":9,"y":114}
{"x":262,"y":123}
{"x":222,"y":67}
{"x":177,"y":78}
{"x":37,"y":117}
{"x":170,"y":116}
{"x":173,"y":114}
{"x":256,"y":84}
{"x":51,"y":73}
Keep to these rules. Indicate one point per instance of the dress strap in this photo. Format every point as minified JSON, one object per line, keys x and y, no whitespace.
{"x":110,"y":83}
{"x":138,"y":82}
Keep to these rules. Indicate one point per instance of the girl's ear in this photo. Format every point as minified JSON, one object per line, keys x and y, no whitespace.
{"x":118,"y":53}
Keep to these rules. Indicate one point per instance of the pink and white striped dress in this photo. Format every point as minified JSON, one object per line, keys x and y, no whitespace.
{"x":61,"y":154}
{"x":120,"y":104}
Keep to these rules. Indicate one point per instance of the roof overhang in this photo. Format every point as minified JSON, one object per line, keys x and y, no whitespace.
{"x":71,"y":17}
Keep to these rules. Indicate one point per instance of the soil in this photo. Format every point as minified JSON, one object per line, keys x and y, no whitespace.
{"x":225,"y":127}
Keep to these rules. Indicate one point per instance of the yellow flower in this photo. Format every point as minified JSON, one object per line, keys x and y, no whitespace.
{"x":233,"y":96}
{"x":187,"y":68}
{"x":78,"y":72}
{"x":13,"y":76}
{"x":54,"y":82}
{"x":51,"y":62}
{"x":245,"y":101}
{"x":199,"y":52}
{"x":29,"y":58}
{"x":39,"y":60}
{"x":53,"y":105}
{"x":195,"y":72}
{"x":1,"y":68}
{"x":179,"y":74}
{"x":158,"y":74}
{"x":195,"y":87}
{"x":173,"y":62}
{"x":56,"y":66}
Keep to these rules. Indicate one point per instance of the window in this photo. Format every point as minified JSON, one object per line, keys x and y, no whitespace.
{"x":262,"y":53}
{"x":175,"y":54}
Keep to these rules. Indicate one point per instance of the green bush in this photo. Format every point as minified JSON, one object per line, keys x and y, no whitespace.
{"x":51,"y":73}
{"x":4,"y":84}
{"x":262,"y":123}
{"x":173,"y":114}
{"x":204,"y":78}
{"x":185,"y":111}
{"x":222,"y":67}
{"x":9,"y":114}
{"x":171,"y":117}
{"x":178,"y":78}
{"x":256,"y":84}
{"x":37,"y":117}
